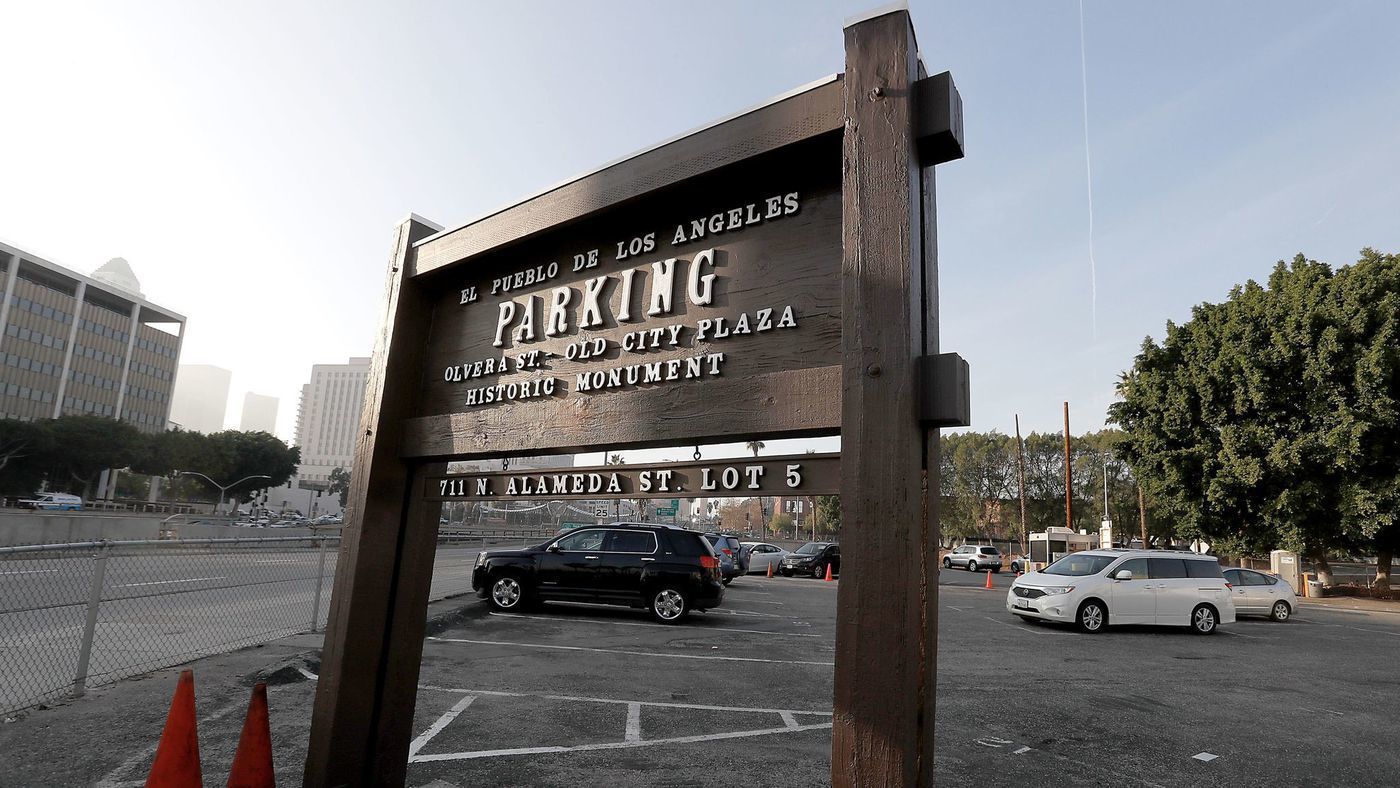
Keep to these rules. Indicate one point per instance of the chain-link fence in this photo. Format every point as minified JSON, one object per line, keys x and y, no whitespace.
{"x":79,"y":615}
{"x":83,"y":614}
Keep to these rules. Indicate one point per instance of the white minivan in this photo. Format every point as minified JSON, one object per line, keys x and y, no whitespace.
{"x":52,"y":501}
{"x":1096,"y":588}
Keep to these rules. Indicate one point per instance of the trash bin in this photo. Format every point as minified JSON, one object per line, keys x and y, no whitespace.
{"x":1315,"y":589}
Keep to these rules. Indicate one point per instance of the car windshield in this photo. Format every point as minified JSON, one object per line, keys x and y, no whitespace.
{"x":1079,"y":565}
{"x":811,"y":548}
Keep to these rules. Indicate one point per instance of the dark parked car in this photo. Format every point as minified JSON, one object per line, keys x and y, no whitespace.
{"x":812,"y":558}
{"x":666,"y":570}
{"x":732,"y":561}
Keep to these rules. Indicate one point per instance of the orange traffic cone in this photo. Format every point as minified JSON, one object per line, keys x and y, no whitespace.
{"x":828,"y":573}
{"x":252,"y":764}
{"x":770,"y":568}
{"x":989,"y":578}
{"x":177,"y":756}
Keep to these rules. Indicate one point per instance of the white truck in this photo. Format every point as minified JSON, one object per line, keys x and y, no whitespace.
{"x":52,"y":502}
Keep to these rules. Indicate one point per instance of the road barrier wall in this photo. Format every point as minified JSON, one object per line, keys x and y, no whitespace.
{"x":21,"y":528}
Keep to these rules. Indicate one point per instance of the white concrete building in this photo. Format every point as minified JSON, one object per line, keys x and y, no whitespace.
{"x":73,"y":344}
{"x":259,"y":413}
{"x":200,"y":401}
{"x":328,"y":418}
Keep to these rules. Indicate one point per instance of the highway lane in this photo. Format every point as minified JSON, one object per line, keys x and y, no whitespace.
{"x":163,"y":608}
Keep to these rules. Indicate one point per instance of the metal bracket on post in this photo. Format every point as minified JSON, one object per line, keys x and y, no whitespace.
{"x":938,"y":120}
{"x":944,"y":391}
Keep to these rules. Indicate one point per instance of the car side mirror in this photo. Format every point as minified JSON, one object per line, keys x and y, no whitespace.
{"x":554,"y":548}
{"x":1124,"y":574}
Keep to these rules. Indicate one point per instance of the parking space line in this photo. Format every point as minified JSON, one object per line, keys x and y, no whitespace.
{"x":460,"y":756}
{"x":1242,"y":635}
{"x":656,"y":626}
{"x":788,"y":719}
{"x":634,"y":723}
{"x":438,"y":724}
{"x":583,"y":699}
{"x":1347,"y":626}
{"x":732,"y":612}
{"x":630,"y":653}
{"x":1032,"y":628}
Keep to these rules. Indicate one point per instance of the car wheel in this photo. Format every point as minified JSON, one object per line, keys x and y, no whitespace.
{"x":1203,"y":620}
{"x":1093,"y":617}
{"x":996,"y":570}
{"x":727,"y":580}
{"x":507,"y":592}
{"x":947,"y":564}
{"x":668,"y":605}
{"x":1281,"y":611}
{"x":972,"y":566}
{"x":819,"y":572}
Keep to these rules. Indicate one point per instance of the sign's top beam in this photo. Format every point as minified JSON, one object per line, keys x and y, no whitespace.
{"x":808,"y":111}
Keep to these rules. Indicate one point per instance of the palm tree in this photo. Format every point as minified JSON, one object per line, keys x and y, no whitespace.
{"x":615,"y":459}
{"x":754,"y":446}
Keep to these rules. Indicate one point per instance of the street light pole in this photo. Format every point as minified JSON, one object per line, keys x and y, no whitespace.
{"x":223,"y":488}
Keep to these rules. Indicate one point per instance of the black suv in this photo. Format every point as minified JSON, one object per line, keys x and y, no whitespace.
{"x":669,"y":571}
{"x":812,"y":558}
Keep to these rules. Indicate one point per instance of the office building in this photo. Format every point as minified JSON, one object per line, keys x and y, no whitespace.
{"x":72,"y":344}
{"x":259,"y":413}
{"x":328,"y":418}
{"x":201,"y":398}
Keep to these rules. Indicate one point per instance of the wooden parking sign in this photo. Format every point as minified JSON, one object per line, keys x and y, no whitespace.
{"x":772,"y":275}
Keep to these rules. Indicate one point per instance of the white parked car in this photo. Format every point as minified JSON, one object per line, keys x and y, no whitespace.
{"x":1261,"y":594}
{"x":1096,"y":588}
{"x":761,"y":555}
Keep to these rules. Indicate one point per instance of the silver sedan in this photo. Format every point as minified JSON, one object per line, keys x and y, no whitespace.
{"x":1261,"y":594}
{"x":761,"y":555}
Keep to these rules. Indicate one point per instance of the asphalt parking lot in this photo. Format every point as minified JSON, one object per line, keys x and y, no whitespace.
{"x":575,"y":695}
{"x":584,"y":695}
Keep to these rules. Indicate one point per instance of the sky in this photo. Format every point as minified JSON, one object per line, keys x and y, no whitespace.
{"x":250,"y":160}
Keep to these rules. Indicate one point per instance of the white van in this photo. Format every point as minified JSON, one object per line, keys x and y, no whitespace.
{"x":1096,"y":588}
{"x":52,"y":502}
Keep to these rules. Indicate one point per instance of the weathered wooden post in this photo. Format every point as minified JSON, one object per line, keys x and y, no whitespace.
{"x":891,"y":406}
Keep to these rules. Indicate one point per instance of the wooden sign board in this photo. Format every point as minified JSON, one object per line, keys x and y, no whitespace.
{"x":771,"y":275}
{"x":691,"y":314}
{"x":798,"y":474}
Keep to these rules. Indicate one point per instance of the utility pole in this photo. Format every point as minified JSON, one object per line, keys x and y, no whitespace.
{"x":1021,"y":476}
{"x":1069,"y":478}
{"x":1142,"y":515}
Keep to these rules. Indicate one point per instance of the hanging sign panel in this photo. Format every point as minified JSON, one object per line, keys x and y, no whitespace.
{"x":677,"y":304}
{"x":799,"y":474}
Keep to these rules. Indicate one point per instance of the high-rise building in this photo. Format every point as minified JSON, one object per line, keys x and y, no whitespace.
{"x":328,"y":418}
{"x":74,"y":344}
{"x":201,"y":398}
{"x":259,"y":413}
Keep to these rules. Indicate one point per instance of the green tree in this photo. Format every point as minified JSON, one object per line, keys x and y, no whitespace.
{"x":1273,"y":419}
{"x":780,"y":523}
{"x":978,"y":475}
{"x":234,"y":455}
{"x":829,"y":513}
{"x":755,"y":447}
{"x":24,"y":448}
{"x":79,"y":448}
{"x":340,"y":485}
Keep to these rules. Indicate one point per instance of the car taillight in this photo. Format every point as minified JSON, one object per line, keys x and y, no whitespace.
{"x":727,"y":551}
{"x":1228,"y":586}
{"x":709,"y":562}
